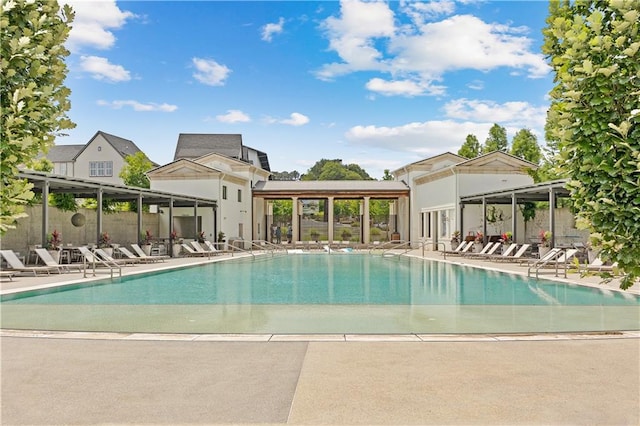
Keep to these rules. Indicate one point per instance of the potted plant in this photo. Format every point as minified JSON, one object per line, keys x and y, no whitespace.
{"x":54,"y":244}
{"x":545,"y":242}
{"x":176,"y":243}
{"x":346,"y":235}
{"x":145,"y":241}
{"x":506,"y":238}
{"x":104,"y":242}
{"x":479,"y":242}
{"x":455,"y":239}
{"x":221,"y":242}
{"x":200,"y":237}
{"x":314,"y":235}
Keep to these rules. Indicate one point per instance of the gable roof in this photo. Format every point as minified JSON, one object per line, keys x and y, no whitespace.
{"x":123,"y":146}
{"x":195,"y":145}
{"x":262,"y":157}
{"x":427,"y":164}
{"x":497,"y":156}
{"x":63,"y":153}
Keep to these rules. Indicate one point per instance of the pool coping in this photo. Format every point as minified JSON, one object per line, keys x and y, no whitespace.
{"x":350,"y":337}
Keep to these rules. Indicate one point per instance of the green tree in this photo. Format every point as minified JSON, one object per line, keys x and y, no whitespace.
{"x":133,"y":173}
{"x":496,"y":141}
{"x":335,"y":170}
{"x":387,"y":175}
{"x":470,"y":148}
{"x":525,"y":145}
{"x":594,"y":115}
{"x":33,"y":99}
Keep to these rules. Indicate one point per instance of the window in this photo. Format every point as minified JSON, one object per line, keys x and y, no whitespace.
{"x":100,"y":168}
{"x":239,"y":195}
{"x":63,"y":169}
{"x":224,"y":192}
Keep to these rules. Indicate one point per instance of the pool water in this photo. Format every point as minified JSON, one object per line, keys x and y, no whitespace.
{"x":320,"y":293}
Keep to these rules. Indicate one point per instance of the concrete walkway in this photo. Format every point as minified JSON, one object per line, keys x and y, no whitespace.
{"x":84,"y":381}
{"x":80,"y":378}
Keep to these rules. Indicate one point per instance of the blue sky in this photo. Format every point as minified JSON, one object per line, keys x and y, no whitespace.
{"x":380,"y":84}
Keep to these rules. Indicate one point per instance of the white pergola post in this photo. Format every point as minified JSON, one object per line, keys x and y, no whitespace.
{"x":329,"y":208}
{"x":366,"y":221}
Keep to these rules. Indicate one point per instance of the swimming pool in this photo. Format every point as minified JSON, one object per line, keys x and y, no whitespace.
{"x":320,"y":293}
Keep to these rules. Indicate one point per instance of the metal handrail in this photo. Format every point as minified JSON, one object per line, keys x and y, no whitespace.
{"x":106,"y":263}
{"x":541,"y":263}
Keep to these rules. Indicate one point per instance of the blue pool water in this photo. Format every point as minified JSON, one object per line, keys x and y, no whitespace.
{"x":325,"y":293}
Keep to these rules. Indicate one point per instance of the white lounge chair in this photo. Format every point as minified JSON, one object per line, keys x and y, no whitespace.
{"x":105,"y":256}
{"x":487,"y":250}
{"x":48,"y":260}
{"x":144,"y":255}
{"x":465,"y":249}
{"x":517,"y":257}
{"x":191,"y":252}
{"x":598,"y":265}
{"x":16,"y":265}
{"x":149,"y":259}
{"x":198,"y":248}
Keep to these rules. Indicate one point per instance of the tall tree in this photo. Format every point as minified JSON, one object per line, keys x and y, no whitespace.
{"x":497,"y":139}
{"x":33,"y":99}
{"x":471,"y":147}
{"x":335,"y":170}
{"x":387,"y":175}
{"x":595,"y":117}
{"x":525,"y":145}
{"x":133,"y":173}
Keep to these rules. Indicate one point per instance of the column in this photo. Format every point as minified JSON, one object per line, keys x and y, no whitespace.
{"x":514,"y":216}
{"x":99,"y":214}
{"x":139,"y":217}
{"x":45,"y":213}
{"x":329,"y":208}
{"x":366,"y":221}
{"x":552,"y":217}
{"x":484,"y":220}
{"x":296,"y":213}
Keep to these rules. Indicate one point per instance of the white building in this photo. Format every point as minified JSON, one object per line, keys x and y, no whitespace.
{"x":224,"y":172}
{"x":101,"y":158}
{"x":437,"y":183}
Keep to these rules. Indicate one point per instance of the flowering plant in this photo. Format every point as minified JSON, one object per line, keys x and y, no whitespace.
{"x":479,"y":237}
{"x":201,"y":237}
{"x":545,"y":238}
{"x":55,"y":240}
{"x":506,"y":237}
{"x":173,"y":235}
{"x":104,"y":240}
{"x":147,"y":237}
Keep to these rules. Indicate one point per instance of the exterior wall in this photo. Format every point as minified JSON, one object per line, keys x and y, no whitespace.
{"x":470,"y":184}
{"x":99,"y":150}
{"x":63,"y":168}
{"x":121,"y":226}
{"x":432,"y":197}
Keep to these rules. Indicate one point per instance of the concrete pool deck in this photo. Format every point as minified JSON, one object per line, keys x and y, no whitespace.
{"x":103,"y":378}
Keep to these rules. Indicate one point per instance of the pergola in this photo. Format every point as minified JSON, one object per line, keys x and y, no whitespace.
{"x":364,"y":190}
{"x":46,"y":183}
{"x":546,"y":191}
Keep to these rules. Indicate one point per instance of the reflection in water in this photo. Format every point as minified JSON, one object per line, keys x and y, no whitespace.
{"x":346,"y":293}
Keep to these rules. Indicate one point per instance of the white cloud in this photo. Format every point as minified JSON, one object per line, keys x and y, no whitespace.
{"x":421,"y":12}
{"x":366,"y":38}
{"x":210,"y":72}
{"x":515,"y":113}
{"x":138,"y":106}
{"x":422,"y":138}
{"x":352,"y":36}
{"x":295,"y":119}
{"x":93,"y":23}
{"x":233,"y":116}
{"x":270,"y":29}
{"x":101,"y":69}
{"x":476,"y":85}
{"x":403,"y":87}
